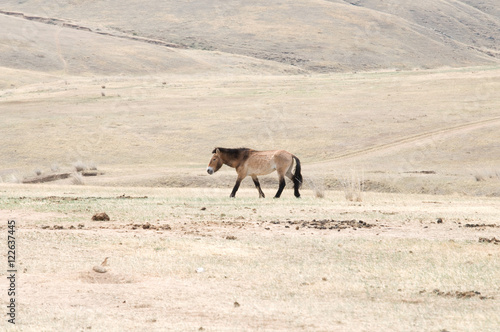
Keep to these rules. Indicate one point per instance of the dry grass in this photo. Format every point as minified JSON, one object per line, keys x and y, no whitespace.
{"x":316,"y":185}
{"x":11,"y":178}
{"x":353,"y":187}
{"x":296,"y":113}
{"x":379,"y":278}
{"x":77,"y":178}
{"x":487,"y":174}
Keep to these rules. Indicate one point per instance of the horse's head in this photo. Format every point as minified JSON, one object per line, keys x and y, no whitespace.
{"x":215,"y":163}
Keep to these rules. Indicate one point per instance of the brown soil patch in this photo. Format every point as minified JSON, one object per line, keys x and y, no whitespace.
{"x":493,"y":240}
{"x":147,"y":225}
{"x":461,"y":295}
{"x":481,"y":225}
{"x":333,"y":224}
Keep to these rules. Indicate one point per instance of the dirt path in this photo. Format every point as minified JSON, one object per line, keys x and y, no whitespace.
{"x":405,"y":141}
{"x":66,"y":24}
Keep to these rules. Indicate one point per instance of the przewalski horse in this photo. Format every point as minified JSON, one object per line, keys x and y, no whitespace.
{"x":253,"y":163}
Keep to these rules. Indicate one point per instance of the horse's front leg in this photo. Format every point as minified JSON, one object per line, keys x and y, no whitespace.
{"x":236,"y":186}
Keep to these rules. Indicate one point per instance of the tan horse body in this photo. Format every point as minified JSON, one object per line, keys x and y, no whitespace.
{"x":248,"y":162}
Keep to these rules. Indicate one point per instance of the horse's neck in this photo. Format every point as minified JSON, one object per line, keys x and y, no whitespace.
{"x":230,"y":162}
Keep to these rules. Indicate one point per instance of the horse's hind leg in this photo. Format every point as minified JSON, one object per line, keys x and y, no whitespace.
{"x":281,"y":187}
{"x":257,"y":185}
{"x":295,"y":183}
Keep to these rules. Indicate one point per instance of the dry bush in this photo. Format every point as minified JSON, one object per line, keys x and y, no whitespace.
{"x":38,"y":171}
{"x":316,"y":186}
{"x":77,"y":178}
{"x":80,"y":166}
{"x":353,"y":187}
{"x":92,"y":166}
{"x":11,"y":178}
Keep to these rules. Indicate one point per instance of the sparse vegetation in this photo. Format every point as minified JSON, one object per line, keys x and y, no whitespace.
{"x":353,"y":187}
{"x":265,"y":254}
{"x":11,"y":178}
{"x":92,"y":166}
{"x":79,"y":166}
{"x":316,"y":185}
{"x":486,"y":174}
{"x":77,"y":178}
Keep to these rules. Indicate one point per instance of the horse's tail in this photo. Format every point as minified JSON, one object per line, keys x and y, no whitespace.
{"x":297,"y":176}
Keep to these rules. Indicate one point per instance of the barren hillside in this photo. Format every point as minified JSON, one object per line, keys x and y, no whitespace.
{"x":317,"y":36}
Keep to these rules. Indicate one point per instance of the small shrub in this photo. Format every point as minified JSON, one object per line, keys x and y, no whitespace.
{"x":92,"y":166}
{"x":13,"y":178}
{"x":77,"y":178}
{"x":353,"y":187}
{"x":319,"y":193}
{"x":316,"y":186}
{"x":80,"y":166}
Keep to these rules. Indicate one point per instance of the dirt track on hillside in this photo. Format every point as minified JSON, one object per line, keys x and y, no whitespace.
{"x":414,"y":139}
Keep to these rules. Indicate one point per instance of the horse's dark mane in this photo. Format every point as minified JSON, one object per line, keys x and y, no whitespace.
{"x":233,"y":153}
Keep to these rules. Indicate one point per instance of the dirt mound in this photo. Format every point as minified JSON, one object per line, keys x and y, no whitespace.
{"x":101,"y":216}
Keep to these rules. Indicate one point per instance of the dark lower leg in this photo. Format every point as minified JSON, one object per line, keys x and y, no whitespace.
{"x":281,"y":187}
{"x":257,"y":185}
{"x":296,"y":185}
{"x":235,"y":188}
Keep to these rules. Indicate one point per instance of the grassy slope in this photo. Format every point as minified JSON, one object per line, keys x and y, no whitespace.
{"x":163,"y":107}
{"x":145,"y":127}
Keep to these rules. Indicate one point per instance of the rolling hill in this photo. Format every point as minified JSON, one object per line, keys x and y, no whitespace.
{"x":316,"y":36}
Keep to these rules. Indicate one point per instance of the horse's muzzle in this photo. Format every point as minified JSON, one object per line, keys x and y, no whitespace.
{"x":210,"y":170}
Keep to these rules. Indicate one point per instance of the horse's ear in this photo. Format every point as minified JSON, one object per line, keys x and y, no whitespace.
{"x":217,"y":151}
